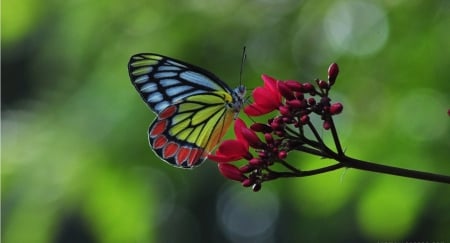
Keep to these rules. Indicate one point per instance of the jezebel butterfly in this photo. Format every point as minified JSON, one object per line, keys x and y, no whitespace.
{"x":194,"y":107}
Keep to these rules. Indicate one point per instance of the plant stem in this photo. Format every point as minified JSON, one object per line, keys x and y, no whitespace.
{"x":336,"y":137}
{"x":385,"y":169}
{"x":304,"y":173}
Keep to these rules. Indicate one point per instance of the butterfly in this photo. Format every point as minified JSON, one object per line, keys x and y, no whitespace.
{"x":194,"y":107}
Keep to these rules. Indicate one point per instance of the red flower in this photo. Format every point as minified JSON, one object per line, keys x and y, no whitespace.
{"x":233,"y":150}
{"x":266,"y":99}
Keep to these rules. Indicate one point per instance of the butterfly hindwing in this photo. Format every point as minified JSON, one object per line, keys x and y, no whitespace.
{"x":184,"y":133}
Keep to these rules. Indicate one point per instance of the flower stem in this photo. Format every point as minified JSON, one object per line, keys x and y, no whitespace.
{"x":304,"y":173}
{"x":385,"y":169}
{"x":287,"y":165}
{"x":336,"y":137}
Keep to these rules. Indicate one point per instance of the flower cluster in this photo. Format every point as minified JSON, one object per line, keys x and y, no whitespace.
{"x":271,"y":142}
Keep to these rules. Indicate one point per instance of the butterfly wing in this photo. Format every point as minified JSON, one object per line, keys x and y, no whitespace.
{"x":193,"y":107}
{"x":184,"y":133}
{"x":162,"y":81}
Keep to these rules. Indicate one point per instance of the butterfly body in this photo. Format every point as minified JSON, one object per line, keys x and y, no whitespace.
{"x":194,"y":107}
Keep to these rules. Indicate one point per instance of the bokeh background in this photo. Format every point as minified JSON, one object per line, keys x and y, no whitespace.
{"x":76,"y":166}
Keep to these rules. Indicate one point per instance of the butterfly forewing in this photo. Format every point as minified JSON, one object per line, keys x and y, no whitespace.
{"x":162,"y":81}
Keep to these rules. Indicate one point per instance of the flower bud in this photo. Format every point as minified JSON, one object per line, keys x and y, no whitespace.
{"x":333,"y":71}
{"x":279,"y":133}
{"x":246,"y":168}
{"x":268,"y":137}
{"x":252,"y":139}
{"x":256,"y":187}
{"x":336,"y":108}
{"x":294,"y":85}
{"x":297,"y":104}
{"x":263,"y":154}
{"x":255,"y":162}
{"x":277,"y":124}
{"x":248,"y":182}
{"x":284,"y":111}
{"x":304,"y":119}
{"x":307,"y":87}
{"x":299,"y":95}
{"x":322,"y":84}
{"x":231,"y":172}
{"x":282,"y":154}
{"x":326,"y":125}
{"x":285,"y":91}
{"x":259,"y":127}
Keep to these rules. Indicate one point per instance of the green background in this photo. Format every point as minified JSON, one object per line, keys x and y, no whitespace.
{"x":76,"y":166}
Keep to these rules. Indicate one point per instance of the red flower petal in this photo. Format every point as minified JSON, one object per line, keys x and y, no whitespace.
{"x":264,"y":98}
{"x":232,"y":148}
{"x":255,"y":110}
{"x":231,"y":172}
{"x":222,"y":158}
{"x":238,"y":125}
{"x":270,"y":83}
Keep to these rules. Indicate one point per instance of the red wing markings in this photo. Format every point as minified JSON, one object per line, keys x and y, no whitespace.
{"x":184,"y":133}
{"x":177,"y":152}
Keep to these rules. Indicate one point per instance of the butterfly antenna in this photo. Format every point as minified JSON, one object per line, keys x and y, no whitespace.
{"x":244,"y":56}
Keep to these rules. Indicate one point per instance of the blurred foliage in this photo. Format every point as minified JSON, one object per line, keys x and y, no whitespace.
{"x":76,"y":166}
